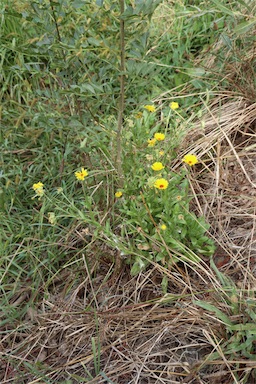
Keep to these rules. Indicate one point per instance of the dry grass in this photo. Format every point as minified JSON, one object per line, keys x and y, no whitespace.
{"x":225,"y":183}
{"x":143,"y":337}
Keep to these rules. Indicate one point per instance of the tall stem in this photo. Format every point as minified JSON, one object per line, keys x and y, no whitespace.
{"x":121,"y":100}
{"x":57,"y":28}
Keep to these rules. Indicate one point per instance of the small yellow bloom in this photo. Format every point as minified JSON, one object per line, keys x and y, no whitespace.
{"x":174,"y":105}
{"x":138,"y":115}
{"x":81,"y":175}
{"x":161,"y":153}
{"x":179,"y":197}
{"x":118,"y":194}
{"x":150,"y":108}
{"x":39,"y":189}
{"x":190,"y":159}
{"x":161,"y":183}
{"x":37,"y":186}
{"x":159,"y":136}
{"x":163,"y":227}
{"x":157,"y":166}
{"x":151,"y":142}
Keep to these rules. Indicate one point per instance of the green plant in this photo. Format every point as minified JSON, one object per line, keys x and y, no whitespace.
{"x":151,"y":209}
{"x":154,"y":210}
{"x":238,"y":320}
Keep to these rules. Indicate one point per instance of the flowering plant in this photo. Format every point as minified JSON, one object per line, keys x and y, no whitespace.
{"x":152,"y":206}
{"x":155,"y":205}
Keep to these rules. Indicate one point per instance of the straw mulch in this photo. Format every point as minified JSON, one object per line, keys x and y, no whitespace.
{"x":139,"y":335}
{"x":225,"y":181}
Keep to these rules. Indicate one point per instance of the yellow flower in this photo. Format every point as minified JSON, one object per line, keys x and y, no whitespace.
{"x":150,"y":108}
{"x":151,"y":142}
{"x":118,"y":194}
{"x":38,"y":188}
{"x":161,"y":183}
{"x":163,"y":227}
{"x":138,"y":115}
{"x":157,"y":166}
{"x":190,"y":159}
{"x":161,"y":153}
{"x":81,"y":175}
{"x":174,"y":105}
{"x":159,"y":136}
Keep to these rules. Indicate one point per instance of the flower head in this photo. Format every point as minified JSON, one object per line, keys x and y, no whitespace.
{"x":163,"y":227}
{"x":138,"y":115}
{"x":161,"y":183}
{"x":174,"y":105}
{"x":81,"y":175}
{"x":151,"y":142}
{"x":161,"y":153}
{"x":190,"y":159}
{"x":38,"y":188}
{"x":150,"y":108}
{"x":159,"y":136}
{"x":157,"y":166}
{"x":118,"y":194}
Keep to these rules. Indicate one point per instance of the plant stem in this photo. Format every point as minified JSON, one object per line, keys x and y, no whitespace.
{"x":57,"y":29}
{"x":121,"y":100}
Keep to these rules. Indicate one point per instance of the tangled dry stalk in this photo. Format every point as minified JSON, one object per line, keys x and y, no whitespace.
{"x":142,"y":337}
{"x":225,"y":184}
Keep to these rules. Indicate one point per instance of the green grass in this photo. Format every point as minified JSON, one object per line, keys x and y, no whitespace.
{"x":60,"y":90}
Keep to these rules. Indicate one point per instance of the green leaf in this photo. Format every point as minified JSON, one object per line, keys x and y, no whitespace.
{"x":79,"y":3}
{"x":244,"y":4}
{"x":244,"y":327}
{"x":220,"y":315}
{"x":195,"y":72}
{"x":224,"y":280}
{"x":106,"y":378}
{"x":138,"y":266}
{"x":93,"y":41}
{"x":245,"y":26}
{"x":224,"y":9}
{"x":164,"y":284}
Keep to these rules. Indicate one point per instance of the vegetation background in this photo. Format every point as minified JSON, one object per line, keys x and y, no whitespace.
{"x":121,"y":262}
